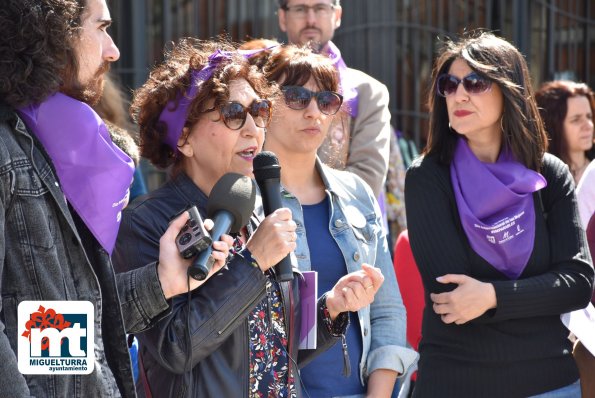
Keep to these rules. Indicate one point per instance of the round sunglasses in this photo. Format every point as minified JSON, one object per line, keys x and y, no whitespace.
{"x":298,"y":98}
{"x":234,"y":114}
{"x":473,"y":83}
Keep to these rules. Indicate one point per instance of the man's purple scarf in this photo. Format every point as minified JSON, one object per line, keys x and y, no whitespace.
{"x":347,"y":86}
{"x":95,"y":174}
{"x":496,"y":207}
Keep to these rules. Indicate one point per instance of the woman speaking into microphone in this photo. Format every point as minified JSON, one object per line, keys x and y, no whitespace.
{"x":202,"y":114}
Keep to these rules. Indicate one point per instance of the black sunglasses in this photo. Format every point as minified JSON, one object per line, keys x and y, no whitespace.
{"x":298,"y":98}
{"x":473,"y":83}
{"x":234,"y":114}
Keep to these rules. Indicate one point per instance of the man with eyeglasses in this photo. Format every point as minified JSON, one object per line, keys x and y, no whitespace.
{"x":359,"y":140}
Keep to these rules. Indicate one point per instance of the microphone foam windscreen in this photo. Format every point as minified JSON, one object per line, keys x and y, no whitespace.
{"x":236,"y":194}
{"x":266,"y":166}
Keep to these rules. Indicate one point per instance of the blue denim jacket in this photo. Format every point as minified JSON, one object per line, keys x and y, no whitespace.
{"x":356,"y":225}
{"x":47,"y":253}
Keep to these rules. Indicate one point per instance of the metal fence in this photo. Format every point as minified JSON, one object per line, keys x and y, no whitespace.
{"x":393,"y":40}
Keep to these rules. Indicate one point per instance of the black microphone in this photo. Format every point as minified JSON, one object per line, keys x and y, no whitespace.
{"x":267,"y":173}
{"x":230,"y":206}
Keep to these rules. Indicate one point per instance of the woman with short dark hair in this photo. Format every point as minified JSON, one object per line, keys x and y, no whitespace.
{"x":340,"y":230}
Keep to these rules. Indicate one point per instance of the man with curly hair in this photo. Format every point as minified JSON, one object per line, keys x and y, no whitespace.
{"x":63,"y":184}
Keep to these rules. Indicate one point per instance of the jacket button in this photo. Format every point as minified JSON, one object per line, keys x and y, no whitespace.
{"x":365,"y":331}
{"x":338,"y":223}
{"x":356,"y":256}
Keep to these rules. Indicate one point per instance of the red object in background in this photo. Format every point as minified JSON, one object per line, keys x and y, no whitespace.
{"x":591,"y":239}
{"x":410,"y":285}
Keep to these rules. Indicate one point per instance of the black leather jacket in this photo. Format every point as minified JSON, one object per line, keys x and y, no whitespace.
{"x":218,"y":324}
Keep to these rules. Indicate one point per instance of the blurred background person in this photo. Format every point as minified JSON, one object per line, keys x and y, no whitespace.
{"x":203,"y":112}
{"x":113,"y":109}
{"x":496,"y":275}
{"x":339,"y":229}
{"x":567,"y":109}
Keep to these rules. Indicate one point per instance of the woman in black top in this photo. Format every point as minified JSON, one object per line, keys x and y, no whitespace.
{"x":202,"y":113}
{"x":495,"y":231}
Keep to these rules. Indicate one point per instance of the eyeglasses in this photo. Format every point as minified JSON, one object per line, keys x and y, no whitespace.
{"x":298,"y":98}
{"x":234,"y":114}
{"x":321,"y":10}
{"x":474,"y":84}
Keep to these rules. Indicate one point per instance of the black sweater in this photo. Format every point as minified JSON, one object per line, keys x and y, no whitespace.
{"x":521,"y":347}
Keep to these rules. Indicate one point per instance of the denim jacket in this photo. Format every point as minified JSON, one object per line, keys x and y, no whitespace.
{"x":356,"y":226}
{"x":47,"y":253}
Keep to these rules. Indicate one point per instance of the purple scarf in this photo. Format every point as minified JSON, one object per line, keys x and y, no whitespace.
{"x":495,"y":204}
{"x":349,"y":91}
{"x":95,"y":174}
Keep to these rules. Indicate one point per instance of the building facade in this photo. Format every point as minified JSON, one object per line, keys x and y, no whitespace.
{"x":393,"y":40}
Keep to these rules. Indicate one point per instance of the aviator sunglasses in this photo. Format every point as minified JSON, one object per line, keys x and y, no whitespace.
{"x":298,"y":98}
{"x":234,"y":114}
{"x":473,"y":83}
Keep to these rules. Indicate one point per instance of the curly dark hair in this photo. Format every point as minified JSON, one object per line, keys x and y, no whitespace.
{"x":172,"y":77}
{"x":497,"y":60}
{"x":36,"y":39}
{"x":552,"y":99}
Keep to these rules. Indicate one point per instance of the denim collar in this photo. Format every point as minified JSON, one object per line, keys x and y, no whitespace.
{"x":330,"y":181}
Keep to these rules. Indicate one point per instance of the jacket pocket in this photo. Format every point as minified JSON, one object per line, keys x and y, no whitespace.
{"x":363,"y":226}
{"x":31,"y":212}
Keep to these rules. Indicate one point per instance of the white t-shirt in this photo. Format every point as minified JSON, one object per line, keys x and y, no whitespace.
{"x":585,"y":194}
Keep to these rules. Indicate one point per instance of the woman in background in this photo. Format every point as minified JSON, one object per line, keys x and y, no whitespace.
{"x":567,"y":110}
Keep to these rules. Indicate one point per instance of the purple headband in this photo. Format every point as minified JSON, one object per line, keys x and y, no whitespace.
{"x":175,"y":116}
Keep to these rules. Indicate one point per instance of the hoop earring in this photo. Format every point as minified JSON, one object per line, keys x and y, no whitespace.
{"x":502,"y":123}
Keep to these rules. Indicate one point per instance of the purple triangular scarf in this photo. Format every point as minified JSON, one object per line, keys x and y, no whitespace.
{"x":95,"y":174}
{"x":496,"y":208}
{"x":347,"y":87}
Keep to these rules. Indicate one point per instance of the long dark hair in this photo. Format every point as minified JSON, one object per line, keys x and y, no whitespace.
{"x":495,"y":59}
{"x":552,"y":99}
{"x":36,"y":46}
